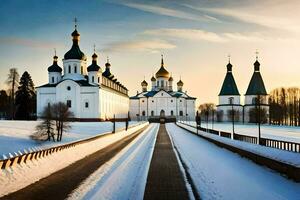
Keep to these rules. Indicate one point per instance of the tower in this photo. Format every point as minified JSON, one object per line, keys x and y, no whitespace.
{"x":162,"y":76}
{"x":94,"y":71}
{"x":54,"y":71}
{"x":179,"y":85}
{"x":229,"y":98}
{"x":144,"y":85}
{"x":153,"y":82}
{"x":75,"y":60}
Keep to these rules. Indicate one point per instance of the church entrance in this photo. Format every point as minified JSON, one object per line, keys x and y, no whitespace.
{"x":162,"y":113}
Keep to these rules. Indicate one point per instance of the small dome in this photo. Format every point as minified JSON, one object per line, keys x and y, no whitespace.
{"x":75,"y":52}
{"x":144,"y":83}
{"x":171,"y":78}
{"x":94,"y":55}
{"x":75,"y":33}
{"x":229,"y":67}
{"x":153,"y":78}
{"x":54,"y":67}
{"x":256,"y":65}
{"x":180,"y":83}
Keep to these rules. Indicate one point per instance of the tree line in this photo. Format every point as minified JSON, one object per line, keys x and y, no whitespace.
{"x":285,"y":106}
{"x":19,"y":100}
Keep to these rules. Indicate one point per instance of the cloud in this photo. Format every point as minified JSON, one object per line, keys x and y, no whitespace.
{"x":190,"y":34}
{"x":28,"y":43}
{"x":139,"y":45}
{"x":169,"y":12}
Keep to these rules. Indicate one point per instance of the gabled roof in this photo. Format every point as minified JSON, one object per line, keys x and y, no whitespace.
{"x":229,"y":86}
{"x":256,"y":85}
{"x":152,"y":93}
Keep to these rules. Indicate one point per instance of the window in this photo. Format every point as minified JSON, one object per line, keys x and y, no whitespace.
{"x":52,"y":79}
{"x":152,"y":101}
{"x":98,"y":79}
{"x":69,"y":88}
{"x":81,"y":69}
{"x":181,"y":113}
{"x":180,"y":100}
{"x":75,"y":69}
{"x":157,"y":83}
{"x":69,"y":69}
{"x":172,"y":113}
{"x":171,"y":101}
{"x":143,"y":101}
{"x":143,"y":113}
{"x":230,"y":100}
{"x":69,"y":103}
{"x":254,"y":100}
{"x":86,"y":104}
{"x":162,"y":94}
{"x":162,"y":83}
{"x":93,"y":79}
{"x":152,"y":113}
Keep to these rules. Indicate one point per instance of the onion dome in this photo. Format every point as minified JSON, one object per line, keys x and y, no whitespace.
{"x":75,"y":52}
{"x":94,"y":66}
{"x":107,"y":72}
{"x":54,"y":67}
{"x":153,"y":78}
{"x":229,"y":67}
{"x":171,"y":78}
{"x":144,"y":83}
{"x":180,"y":83}
{"x":162,"y":72}
{"x":256,"y":66}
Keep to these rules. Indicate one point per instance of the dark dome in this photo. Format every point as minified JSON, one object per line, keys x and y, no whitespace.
{"x":153,"y":78}
{"x":75,"y":53}
{"x":171,"y":78}
{"x":180,"y":83}
{"x":144,"y":83}
{"x":256,"y":65}
{"x":54,"y":67}
{"x":93,"y":67}
{"x":229,"y":67}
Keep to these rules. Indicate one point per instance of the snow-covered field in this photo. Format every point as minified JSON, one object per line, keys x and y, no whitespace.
{"x":14,"y":135}
{"x":285,"y":133}
{"x":221,"y":174}
{"x":124,"y":176}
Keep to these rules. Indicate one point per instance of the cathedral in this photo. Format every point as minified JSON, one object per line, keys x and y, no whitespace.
{"x":90,"y":93}
{"x":230,"y":98}
{"x":162,"y":100}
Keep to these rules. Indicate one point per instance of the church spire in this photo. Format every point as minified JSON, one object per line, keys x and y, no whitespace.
{"x":162,"y":60}
{"x":229,"y":65}
{"x":75,"y":34}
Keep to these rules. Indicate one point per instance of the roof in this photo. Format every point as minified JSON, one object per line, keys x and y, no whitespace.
{"x":229,"y":86}
{"x":75,"y":52}
{"x":162,"y":72}
{"x":83,"y":83}
{"x":256,"y":85}
{"x":152,"y":93}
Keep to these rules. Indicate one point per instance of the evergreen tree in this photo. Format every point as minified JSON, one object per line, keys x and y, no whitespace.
{"x":25,"y":98}
{"x":12,"y":82}
{"x":4,"y":104}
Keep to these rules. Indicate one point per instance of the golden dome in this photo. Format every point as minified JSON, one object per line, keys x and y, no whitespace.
{"x":144,"y":83}
{"x":162,"y":72}
{"x":180,"y":83}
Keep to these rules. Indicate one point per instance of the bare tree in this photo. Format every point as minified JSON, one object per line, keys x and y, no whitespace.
{"x":12,"y":82}
{"x":61,"y":115}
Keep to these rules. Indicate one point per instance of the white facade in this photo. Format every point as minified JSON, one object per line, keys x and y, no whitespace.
{"x":161,"y":100}
{"x":90,"y":95}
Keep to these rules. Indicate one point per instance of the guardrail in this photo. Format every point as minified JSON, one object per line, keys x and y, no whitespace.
{"x":278,"y":144}
{"x":37,"y":154}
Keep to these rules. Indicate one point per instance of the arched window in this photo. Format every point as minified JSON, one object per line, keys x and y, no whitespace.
{"x":157,"y":83}
{"x":254,"y":100}
{"x":75,"y":69}
{"x":52,"y":79}
{"x":181,"y":113}
{"x":172,"y":113}
{"x":93,"y":79}
{"x":162,"y":83}
{"x":69,"y":69}
{"x":152,"y":113}
{"x":81,"y":69}
{"x":143,"y":113}
{"x":98,"y":79}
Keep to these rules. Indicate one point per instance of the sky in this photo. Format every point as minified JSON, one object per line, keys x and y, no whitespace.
{"x":195,"y":37}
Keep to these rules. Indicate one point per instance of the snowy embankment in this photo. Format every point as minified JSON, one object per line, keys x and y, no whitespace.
{"x":21,"y":175}
{"x":220,"y":174}
{"x":284,"y":133}
{"x":14,"y":135}
{"x":287,"y":157}
{"x":124,"y":176}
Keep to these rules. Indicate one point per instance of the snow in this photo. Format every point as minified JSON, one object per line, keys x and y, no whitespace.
{"x":285,"y":133}
{"x":21,"y":175}
{"x":125,"y":175}
{"x":221,"y":174}
{"x":287,"y":157}
{"x":14,"y":135}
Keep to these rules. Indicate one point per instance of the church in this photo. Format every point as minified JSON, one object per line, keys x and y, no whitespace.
{"x":162,"y":100}
{"x":90,"y":93}
{"x":230,"y":98}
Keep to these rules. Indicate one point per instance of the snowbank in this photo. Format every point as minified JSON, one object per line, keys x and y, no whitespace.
{"x":24,"y":174}
{"x":14,"y":135}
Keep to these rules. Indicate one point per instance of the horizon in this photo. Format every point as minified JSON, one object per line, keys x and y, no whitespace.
{"x":195,"y":39}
